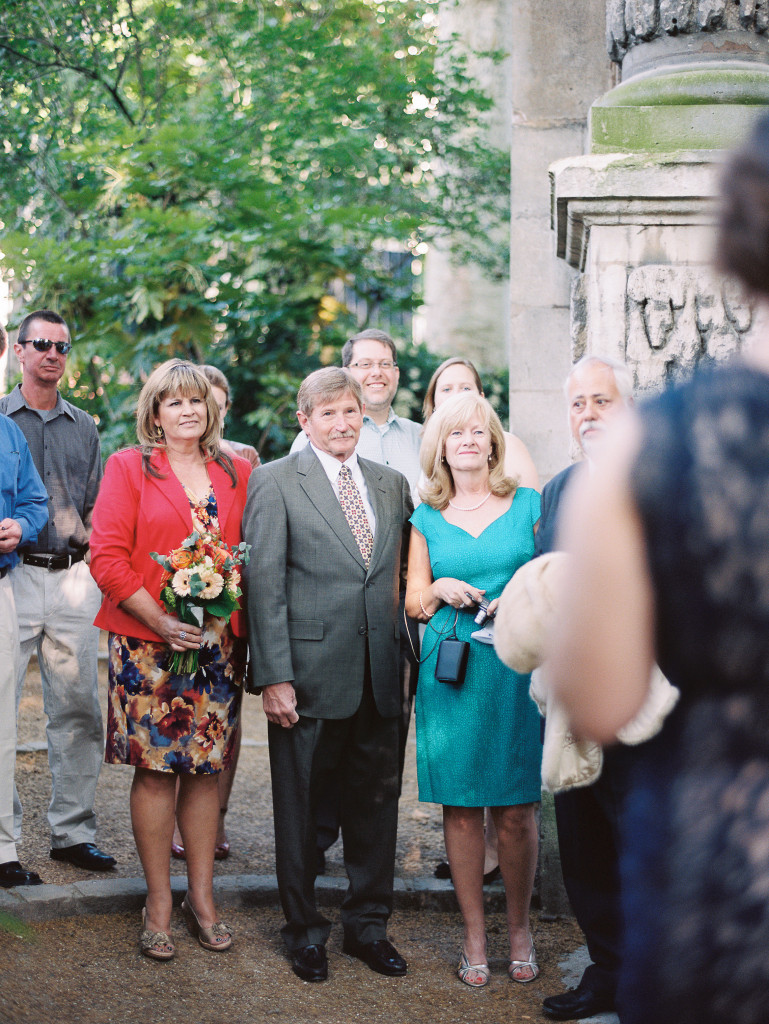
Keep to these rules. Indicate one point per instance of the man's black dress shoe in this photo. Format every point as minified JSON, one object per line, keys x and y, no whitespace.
{"x":577,"y":1003}
{"x":381,"y":956}
{"x":310,"y":963}
{"x":86,"y":856}
{"x":12,"y":874}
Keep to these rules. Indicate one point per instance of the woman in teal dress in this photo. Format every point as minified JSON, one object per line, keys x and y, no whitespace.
{"x":478,"y":742}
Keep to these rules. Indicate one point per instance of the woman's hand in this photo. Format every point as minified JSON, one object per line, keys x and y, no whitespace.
{"x":457,"y":593}
{"x":180,"y":636}
{"x":424,"y":596}
{"x":168,"y":627}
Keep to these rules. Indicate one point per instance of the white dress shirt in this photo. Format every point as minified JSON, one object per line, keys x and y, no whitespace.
{"x":332,"y":468}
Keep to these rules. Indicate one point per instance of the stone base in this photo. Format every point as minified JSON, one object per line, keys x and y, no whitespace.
{"x":700,"y":107}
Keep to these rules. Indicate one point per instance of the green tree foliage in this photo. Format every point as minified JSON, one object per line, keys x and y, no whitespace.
{"x":191,"y":177}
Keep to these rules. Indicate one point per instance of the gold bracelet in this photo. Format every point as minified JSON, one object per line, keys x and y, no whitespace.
{"x":424,"y":610}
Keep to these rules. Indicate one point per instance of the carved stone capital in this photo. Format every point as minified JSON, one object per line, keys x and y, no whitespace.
{"x":630,"y":23}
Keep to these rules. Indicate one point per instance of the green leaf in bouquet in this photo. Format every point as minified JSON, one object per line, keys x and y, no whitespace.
{"x":223,"y":606}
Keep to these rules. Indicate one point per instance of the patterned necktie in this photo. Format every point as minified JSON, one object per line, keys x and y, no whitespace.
{"x":355,"y":514}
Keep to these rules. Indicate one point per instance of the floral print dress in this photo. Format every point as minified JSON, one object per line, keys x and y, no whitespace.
{"x":176,"y":723}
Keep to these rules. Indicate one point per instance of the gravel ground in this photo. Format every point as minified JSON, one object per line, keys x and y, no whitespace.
{"x":88,"y":969}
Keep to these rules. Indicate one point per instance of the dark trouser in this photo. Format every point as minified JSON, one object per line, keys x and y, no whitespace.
{"x":362,"y":752}
{"x":589,"y":824}
{"x":329,"y":816}
{"x":408,"y":677}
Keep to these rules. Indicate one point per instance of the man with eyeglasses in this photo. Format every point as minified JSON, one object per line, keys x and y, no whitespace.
{"x":56,"y":597}
{"x":372,"y":359}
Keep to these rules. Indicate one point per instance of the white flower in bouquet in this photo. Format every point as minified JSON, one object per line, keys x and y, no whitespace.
{"x":214,"y":583}
{"x":180,"y":584}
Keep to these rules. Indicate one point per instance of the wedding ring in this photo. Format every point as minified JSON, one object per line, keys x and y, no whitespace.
{"x":182,"y":635}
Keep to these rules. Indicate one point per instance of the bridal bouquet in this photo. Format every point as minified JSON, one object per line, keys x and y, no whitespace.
{"x":201,"y":576}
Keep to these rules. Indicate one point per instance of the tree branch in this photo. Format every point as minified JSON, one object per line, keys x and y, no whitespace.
{"x":65,"y":65}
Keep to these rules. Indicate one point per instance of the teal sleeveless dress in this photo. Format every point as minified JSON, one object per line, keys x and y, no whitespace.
{"x":478,"y":744}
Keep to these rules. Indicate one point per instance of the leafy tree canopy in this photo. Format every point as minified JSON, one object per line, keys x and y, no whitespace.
{"x":192,"y":177}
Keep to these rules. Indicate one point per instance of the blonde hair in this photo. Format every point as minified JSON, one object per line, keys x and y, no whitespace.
{"x":456,"y":412}
{"x":178,"y":377}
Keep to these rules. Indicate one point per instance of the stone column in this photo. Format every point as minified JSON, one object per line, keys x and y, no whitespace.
{"x":635,"y":217}
{"x":559,"y":66}
{"x":464,"y":311}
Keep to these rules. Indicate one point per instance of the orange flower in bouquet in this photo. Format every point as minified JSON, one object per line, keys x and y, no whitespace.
{"x":202,"y":576}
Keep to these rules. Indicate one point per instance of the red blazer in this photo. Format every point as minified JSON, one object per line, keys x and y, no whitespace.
{"x":135,"y":514}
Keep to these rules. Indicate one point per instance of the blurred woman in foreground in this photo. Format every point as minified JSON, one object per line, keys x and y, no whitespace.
{"x":670,"y":547}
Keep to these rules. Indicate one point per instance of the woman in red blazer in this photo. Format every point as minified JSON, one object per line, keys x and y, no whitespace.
{"x":170,"y":726}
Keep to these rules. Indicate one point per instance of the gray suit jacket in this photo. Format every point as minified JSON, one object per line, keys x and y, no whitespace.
{"x":313,"y":609}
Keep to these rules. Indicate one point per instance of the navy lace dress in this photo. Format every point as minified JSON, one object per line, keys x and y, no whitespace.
{"x":696,"y":866}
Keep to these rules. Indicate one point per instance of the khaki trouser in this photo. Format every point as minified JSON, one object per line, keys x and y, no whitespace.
{"x":56,"y":612}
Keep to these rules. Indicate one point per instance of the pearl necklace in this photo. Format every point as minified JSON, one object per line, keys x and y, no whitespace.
{"x":472,"y":508}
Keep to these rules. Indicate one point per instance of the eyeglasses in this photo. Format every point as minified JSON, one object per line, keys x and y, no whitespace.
{"x":369,"y":364}
{"x":44,"y":345}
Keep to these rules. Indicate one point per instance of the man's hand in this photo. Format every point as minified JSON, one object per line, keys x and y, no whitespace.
{"x":279,"y":703}
{"x":10,"y":535}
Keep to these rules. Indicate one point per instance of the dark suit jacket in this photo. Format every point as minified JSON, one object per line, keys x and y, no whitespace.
{"x":552,"y":492}
{"x":314,"y":612}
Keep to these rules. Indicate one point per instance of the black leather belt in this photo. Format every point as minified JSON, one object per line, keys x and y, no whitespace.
{"x":52,"y":562}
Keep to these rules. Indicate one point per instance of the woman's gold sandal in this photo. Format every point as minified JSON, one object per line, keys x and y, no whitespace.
{"x":518,"y":967}
{"x":474,"y":975}
{"x":155,"y":945}
{"x":217,"y":938}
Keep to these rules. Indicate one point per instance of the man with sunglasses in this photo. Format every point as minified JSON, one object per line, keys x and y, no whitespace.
{"x":56,"y":597}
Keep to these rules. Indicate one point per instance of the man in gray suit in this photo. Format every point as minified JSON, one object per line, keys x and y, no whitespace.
{"x":329,"y":533}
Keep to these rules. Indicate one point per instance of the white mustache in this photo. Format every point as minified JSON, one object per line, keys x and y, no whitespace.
{"x":591,"y":425}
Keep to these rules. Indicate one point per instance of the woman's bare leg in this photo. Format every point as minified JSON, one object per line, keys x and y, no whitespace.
{"x":517,"y":843}
{"x":152,"y":818}
{"x":197,"y":811}
{"x":226,"y":779}
{"x":463,"y":834}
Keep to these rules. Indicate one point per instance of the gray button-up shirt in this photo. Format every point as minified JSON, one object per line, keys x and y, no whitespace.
{"x":65,"y":449}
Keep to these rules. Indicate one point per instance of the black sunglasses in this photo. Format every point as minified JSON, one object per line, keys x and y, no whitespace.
{"x":44,"y":345}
